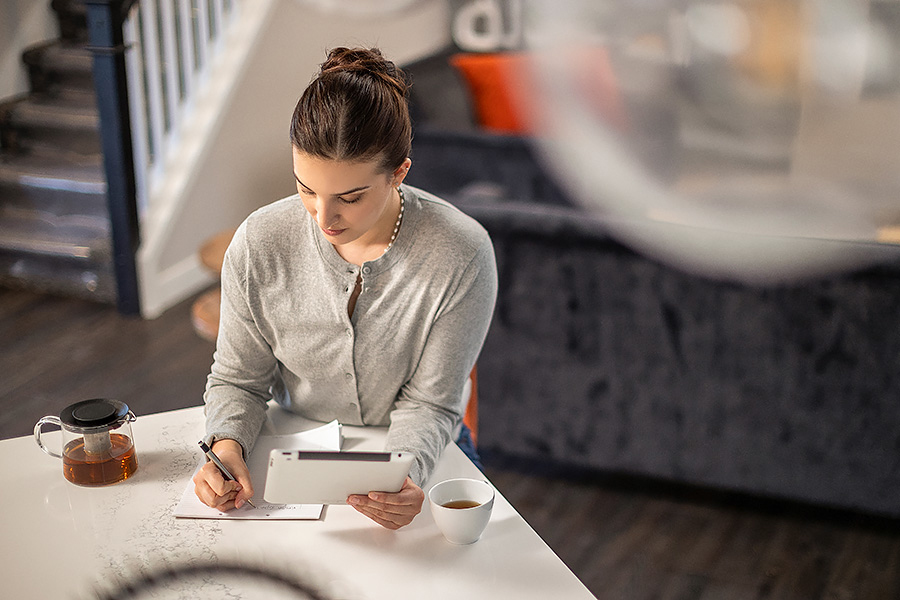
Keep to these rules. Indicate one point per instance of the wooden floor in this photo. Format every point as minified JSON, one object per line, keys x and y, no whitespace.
{"x":624,"y":540}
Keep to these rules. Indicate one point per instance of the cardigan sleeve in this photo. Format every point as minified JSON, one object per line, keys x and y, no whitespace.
{"x":239,"y":382}
{"x":430,"y":406}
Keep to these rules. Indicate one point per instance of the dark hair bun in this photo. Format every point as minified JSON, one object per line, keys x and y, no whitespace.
{"x":355,"y":109}
{"x":365,"y":61}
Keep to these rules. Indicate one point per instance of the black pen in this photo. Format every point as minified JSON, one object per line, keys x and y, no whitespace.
{"x":225,"y":472}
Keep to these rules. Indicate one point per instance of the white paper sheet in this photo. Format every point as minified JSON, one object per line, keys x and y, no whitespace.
{"x":326,"y":437}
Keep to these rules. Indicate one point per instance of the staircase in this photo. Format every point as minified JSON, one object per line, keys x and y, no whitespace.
{"x":54,"y":222}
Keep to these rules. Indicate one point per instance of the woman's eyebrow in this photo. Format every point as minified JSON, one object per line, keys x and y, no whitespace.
{"x":356,"y":189}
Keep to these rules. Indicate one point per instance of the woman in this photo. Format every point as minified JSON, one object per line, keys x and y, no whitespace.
{"x":359,"y":299}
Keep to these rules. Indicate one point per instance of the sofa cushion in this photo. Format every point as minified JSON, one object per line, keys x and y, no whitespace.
{"x":479,"y":166}
{"x":495,"y":84}
{"x":438,"y":96}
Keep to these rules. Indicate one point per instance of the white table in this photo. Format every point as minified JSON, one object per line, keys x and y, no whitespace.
{"x":63,"y":541}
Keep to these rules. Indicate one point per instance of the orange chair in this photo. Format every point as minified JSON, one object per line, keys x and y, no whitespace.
{"x":471,"y":416}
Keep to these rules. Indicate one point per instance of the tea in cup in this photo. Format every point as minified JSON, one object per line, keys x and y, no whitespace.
{"x":461,"y":508}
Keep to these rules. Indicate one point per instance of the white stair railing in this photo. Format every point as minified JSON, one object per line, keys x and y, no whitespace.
{"x":171,"y":45}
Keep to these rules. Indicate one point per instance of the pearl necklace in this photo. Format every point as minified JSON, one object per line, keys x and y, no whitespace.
{"x":397,"y":224}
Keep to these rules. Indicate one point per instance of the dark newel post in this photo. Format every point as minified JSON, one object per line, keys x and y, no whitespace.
{"x":104,"y":20}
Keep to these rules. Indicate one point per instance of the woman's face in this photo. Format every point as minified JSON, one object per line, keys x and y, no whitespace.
{"x":351,"y":202}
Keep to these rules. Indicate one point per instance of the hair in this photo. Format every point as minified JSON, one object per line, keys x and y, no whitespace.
{"x":355,"y":109}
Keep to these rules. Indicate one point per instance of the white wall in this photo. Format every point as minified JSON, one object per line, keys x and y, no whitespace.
{"x":22,"y":23}
{"x":246,"y":161}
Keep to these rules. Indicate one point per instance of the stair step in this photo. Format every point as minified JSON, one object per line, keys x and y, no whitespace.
{"x":58,"y":64}
{"x":46,"y":113}
{"x":84,"y":177}
{"x":58,"y":184}
{"x":58,"y":276}
{"x":45,"y":123}
{"x":56,"y":55}
{"x":74,"y":97}
{"x":72,"y":17}
{"x":69,"y":255}
{"x":72,"y":8}
{"x":76,"y":237}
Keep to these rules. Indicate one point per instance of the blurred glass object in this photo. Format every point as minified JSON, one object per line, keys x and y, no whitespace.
{"x":756,"y":140}
{"x":361,"y":8}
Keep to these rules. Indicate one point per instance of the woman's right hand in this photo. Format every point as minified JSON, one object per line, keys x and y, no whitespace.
{"x":211,"y":486}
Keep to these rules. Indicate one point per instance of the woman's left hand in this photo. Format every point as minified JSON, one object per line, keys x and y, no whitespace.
{"x":391,"y":510}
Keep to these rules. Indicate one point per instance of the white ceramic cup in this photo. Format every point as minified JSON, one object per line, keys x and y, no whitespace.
{"x":461,"y":525}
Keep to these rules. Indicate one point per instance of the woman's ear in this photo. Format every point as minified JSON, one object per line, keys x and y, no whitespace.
{"x":400,"y":173}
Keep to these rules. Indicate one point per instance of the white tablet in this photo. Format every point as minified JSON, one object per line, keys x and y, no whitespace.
{"x":327,"y":477}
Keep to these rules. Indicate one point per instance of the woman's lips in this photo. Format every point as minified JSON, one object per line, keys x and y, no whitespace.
{"x":333,"y":232}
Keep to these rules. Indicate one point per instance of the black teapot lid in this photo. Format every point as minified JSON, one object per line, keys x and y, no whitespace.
{"x":96,"y":412}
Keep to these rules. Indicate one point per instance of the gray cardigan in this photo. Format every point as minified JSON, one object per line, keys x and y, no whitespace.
{"x":401,"y":360}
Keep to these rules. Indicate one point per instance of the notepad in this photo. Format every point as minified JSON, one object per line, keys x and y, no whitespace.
{"x":326,"y":437}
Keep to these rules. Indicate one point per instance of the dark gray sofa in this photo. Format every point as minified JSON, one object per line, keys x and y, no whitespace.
{"x":600,"y":358}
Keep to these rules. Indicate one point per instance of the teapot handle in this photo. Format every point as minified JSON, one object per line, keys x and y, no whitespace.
{"x":37,"y":434}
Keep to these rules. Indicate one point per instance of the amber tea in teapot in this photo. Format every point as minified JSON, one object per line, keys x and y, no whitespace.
{"x":113,"y":464}
{"x":97,"y":445}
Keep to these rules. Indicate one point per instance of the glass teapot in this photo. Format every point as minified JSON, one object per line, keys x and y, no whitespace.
{"x":97,"y":444}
